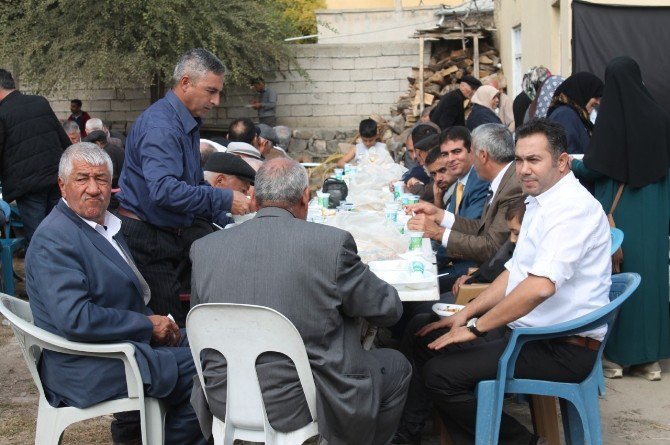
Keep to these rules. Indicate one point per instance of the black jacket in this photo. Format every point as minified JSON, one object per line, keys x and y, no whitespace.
{"x":32,"y":141}
{"x":449,"y":111}
{"x":481,"y":115}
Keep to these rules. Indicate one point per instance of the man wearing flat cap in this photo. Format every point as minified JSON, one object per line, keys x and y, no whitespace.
{"x":267,"y":139}
{"x":227,"y":171}
{"x":449,"y":111}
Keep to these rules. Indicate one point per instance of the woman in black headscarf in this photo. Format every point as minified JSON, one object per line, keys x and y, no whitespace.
{"x":571,"y":106}
{"x":631,"y":146}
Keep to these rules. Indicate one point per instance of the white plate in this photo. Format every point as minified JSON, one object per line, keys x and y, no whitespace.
{"x":446,"y":310}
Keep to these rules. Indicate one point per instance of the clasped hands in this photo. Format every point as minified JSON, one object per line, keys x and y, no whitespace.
{"x":165,"y":331}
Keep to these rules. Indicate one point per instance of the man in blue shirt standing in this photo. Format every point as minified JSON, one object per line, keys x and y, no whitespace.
{"x":165,"y":202}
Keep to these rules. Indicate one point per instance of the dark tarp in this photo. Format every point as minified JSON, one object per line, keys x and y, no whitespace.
{"x":602,"y":32}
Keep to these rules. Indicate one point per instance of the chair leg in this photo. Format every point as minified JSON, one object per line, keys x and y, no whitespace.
{"x":154,"y":428}
{"x":545,"y":418}
{"x":572,"y":424}
{"x":488,"y":414}
{"x":48,"y":430}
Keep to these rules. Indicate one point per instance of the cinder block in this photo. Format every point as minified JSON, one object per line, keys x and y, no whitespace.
{"x":343,"y":87}
{"x":302,"y":110}
{"x":344,"y":110}
{"x":139,"y":104}
{"x":383,"y":86}
{"x":284,"y":111}
{"x":364,"y":63}
{"x":409,"y":61}
{"x":292,"y":99}
{"x":118,"y":105}
{"x":385,"y":98}
{"x":387,"y":62}
{"x":100,"y":95}
{"x":365,"y":86}
{"x":384,"y":74}
{"x":339,"y":98}
{"x":344,"y":64}
{"x":370,"y":49}
{"x":400,"y":48}
{"x":360,"y":98}
{"x":362,"y":74}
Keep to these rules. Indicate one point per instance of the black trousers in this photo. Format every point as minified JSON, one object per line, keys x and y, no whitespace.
{"x":162,"y":257}
{"x":448,"y":377}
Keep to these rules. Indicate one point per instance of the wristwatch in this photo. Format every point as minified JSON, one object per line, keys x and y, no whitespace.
{"x":472,"y":327}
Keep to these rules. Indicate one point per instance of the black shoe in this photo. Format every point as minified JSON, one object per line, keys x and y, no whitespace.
{"x":402,"y":437}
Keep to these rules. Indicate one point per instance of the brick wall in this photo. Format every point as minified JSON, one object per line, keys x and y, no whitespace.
{"x":347,"y":82}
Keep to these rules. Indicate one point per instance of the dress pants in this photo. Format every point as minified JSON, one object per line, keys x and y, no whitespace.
{"x":34,"y":207}
{"x":448,"y":377}
{"x":162,"y":257}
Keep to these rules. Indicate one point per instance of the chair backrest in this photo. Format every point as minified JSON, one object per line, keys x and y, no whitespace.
{"x":19,"y":315}
{"x":623,"y":285}
{"x":241,"y":332}
{"x":617,"y":239}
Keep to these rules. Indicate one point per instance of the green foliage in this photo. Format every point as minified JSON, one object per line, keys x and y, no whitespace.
{"x":57,"y":44}
{"x":300,"y":14}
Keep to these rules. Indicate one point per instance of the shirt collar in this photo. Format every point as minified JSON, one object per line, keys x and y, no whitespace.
{"x":498,"y":179}
{"x":112,"y":224}
{"x":188,"y":122}
{"x":554,"y":193}
{"x":464,"y":179}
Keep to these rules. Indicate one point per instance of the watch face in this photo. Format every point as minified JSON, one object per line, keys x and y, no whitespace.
{"x":471,"y":323}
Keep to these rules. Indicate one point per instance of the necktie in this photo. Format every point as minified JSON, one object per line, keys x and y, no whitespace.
{"x":459,"y":197}
{"x":146,"y":291}
{"x":489,"y":197}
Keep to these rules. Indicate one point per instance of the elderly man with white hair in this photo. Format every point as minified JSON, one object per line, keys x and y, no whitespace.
{"x":96,"y":124}
{"x":84,"y":286}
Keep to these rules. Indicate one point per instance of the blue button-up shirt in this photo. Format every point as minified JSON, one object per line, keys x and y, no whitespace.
{"x":162,"y":181}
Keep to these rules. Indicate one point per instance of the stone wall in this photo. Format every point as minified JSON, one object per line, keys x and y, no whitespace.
{"x":345,"y":83}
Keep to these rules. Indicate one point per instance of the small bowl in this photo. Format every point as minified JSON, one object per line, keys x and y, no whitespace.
{"x":446,"y":310}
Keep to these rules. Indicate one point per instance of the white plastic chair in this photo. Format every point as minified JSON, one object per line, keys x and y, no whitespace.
{"x":242,"y":332}
{"x":51,"y":422}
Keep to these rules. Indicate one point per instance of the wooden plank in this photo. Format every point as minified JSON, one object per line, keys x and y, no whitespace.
{"x":476,"y":57}
{"x":545,"y":418}
{"x":421,"y":44}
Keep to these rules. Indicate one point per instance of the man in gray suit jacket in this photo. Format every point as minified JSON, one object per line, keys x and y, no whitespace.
{"x":312,"y":274}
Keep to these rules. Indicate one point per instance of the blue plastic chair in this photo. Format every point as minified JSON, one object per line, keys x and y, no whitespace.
{"x":9,"y":246}
{"x":579,"y":401}
{"x":617,"y":239}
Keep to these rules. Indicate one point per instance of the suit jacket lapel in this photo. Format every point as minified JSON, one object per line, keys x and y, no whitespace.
{"x":102,"y":244}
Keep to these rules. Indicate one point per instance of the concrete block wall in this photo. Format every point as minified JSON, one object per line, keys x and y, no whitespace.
{"x":118,"y":108}
{"x":345,"y":83}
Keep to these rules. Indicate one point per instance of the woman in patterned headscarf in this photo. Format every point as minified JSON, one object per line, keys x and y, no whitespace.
{"x":532,"y":81}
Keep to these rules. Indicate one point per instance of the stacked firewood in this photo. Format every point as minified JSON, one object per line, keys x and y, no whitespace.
{"x":441,"y":76}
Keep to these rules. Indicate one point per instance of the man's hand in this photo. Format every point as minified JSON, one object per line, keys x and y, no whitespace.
{"x":241,"y":204}
{"x":425,"y":224}
{"x":166,"y":331}
{"x":444,"y":323}
{"x":255,"y":104}
{"x":426,"y":208}
{"x":411,"y":182}
{"x":459,"y":282}
{"x":459,"y":334}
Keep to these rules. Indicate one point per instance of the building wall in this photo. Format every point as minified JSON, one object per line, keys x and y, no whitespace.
{"x":373,"y":25}
{"x":546,"y":32}
{"x":369,"y":4}
{"x":347,"y":82}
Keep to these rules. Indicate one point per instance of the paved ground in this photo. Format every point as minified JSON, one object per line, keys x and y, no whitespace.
{"x":634,"y":410}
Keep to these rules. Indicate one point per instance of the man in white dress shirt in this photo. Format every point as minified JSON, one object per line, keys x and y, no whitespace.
{"x":560,"y":271}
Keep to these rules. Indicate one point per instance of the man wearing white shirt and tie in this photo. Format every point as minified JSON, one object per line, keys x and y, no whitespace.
{"x":561,"y":270}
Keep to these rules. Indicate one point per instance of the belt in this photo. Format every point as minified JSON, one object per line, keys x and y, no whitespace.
{"x":131,"y":215}
{"x":584,"y":342}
